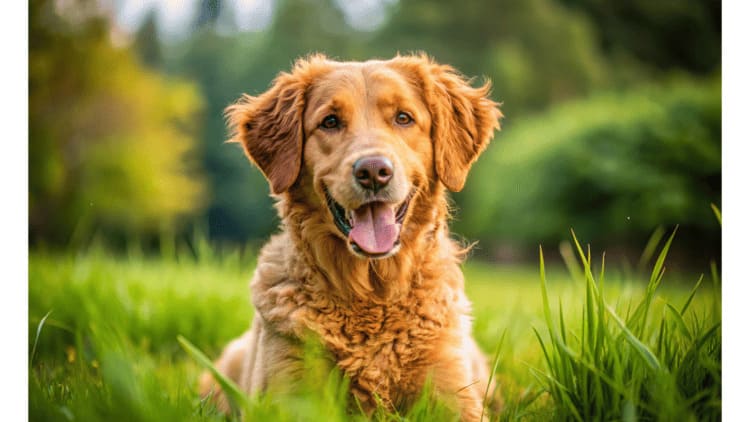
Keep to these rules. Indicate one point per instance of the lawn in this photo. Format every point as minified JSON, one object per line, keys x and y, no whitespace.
{"x":103,"y":339}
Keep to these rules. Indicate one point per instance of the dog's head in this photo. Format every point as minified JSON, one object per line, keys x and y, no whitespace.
{"x":365,"y":141}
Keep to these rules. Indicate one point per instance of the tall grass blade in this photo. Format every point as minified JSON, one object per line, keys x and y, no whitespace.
{"x":566,"y":252}
{"x":563,"y":394}
{"x":680,"y":321}
{"x":643,"y":350}
{"x":544,"y":348}
{"x":601,"y":328}
{"x":591,"y":323}
{"x":36,"y":337}
{"x":662,"y":257}
{"x":691,"y":296}
{"x":628,"y":412}
{"x":717,"y":213}
{"x":582,"y":256}
{"x":716,"y":291}
{"x":586,"y":262}
{"x":495,"y":362}
{"x":653,"y":284}
{"x":563,"y":331}
{"x":715,"y":273}
{"x":660,"y":339}
{"x":650,"y":249}
{"x":701,"y":341}
{"x":236,"y":398}
{"x":545,"y":297}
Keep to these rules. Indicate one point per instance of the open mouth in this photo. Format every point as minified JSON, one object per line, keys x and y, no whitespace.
{"x":373,"y":229}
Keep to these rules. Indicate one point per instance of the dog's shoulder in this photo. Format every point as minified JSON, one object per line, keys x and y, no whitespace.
{"x":276,"y":288}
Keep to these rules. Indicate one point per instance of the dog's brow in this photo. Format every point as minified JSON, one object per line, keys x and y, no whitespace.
{"x":397,"y":91}
{"x":394,"y":100}
{"x":328,"y":106}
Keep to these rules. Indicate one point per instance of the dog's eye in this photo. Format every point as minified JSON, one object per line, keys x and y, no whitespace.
{"x":404,"y":119}
{"x":330,"y":122}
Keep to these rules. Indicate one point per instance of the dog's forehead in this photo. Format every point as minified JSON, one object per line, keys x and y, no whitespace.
{"x":371,"y":79}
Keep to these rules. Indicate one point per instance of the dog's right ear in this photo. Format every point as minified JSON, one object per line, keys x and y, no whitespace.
{"x":269,"y":127}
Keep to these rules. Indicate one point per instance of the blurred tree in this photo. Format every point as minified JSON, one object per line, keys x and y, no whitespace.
{"x":659,"y":35}
{"x":146,"y":42}
{"x":240,"y":207}
{"x":536,"y":52}
{"x":208,"y":13}
{"x":110,"y":143}
{"x":613,"y":167}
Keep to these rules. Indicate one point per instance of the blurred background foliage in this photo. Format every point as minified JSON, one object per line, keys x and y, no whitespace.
{"x":112,"y":144}
{"x":613,"y":114}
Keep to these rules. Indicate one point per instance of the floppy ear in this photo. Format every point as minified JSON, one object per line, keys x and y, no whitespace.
{"x":464,"y":121}
{"x":269,"y":127}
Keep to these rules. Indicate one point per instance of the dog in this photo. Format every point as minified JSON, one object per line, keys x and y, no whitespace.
{"x":358,"y":156}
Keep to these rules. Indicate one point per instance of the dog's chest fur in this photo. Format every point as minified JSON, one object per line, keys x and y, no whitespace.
{"x":384,"y":348}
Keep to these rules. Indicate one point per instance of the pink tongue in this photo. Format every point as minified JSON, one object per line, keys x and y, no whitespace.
{"x":374,"y":228}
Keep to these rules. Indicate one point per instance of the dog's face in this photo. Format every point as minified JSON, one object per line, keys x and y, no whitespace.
{"x":368,"y":150}
{"x":366,"y":141}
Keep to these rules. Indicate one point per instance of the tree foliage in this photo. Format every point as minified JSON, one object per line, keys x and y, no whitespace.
{"x":613,"y":167}
{"x":536,"y":52}
{"x":110,"y":143}
{"x":657,"y":35}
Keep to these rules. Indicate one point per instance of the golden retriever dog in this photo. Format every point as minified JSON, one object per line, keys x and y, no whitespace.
{"x":358,"y":156}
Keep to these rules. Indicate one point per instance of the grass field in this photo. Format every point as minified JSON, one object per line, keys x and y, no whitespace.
{"x":103,"y":339}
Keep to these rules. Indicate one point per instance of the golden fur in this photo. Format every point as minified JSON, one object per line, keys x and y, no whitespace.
{"x":388,"y":323}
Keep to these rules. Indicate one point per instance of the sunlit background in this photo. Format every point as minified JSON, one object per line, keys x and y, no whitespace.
{"x":612,"y":128}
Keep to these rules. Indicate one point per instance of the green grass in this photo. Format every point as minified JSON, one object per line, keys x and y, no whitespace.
{"x":630,"y":362}
{"x":109,"y":340}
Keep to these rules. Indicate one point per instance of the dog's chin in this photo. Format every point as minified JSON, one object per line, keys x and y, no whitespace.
{"x":344,"y":219}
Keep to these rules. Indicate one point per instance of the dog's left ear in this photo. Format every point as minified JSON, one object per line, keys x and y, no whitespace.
{"x":269,"y":126}
{"x":464,"y":122}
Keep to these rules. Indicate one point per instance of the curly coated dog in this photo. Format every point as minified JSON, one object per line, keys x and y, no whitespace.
{"x":358,"y":156}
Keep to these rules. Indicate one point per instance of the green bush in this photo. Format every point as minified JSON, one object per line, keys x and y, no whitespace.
{"x":625,"y":161}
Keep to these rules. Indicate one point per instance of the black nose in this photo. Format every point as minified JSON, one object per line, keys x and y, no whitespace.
{"x":373,"y":172}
